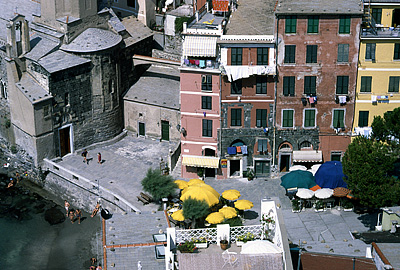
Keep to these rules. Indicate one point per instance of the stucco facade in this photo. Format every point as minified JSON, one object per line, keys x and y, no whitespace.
{"x":317,"y":82}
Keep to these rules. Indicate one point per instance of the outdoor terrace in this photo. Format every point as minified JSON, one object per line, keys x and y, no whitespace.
{"x":380,"y":32}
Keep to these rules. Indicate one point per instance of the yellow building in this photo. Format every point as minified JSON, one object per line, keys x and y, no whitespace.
{"x":379,"y":64}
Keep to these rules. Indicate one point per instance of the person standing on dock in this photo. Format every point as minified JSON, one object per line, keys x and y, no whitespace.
{"x":66,"y":205}
{"x":99,"y":158}
{"x":84,"y":155}
{"x":78,"y":214}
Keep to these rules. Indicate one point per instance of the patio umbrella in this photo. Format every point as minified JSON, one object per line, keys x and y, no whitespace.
{"x":231,"y":194}
{"x":228,"y":212}
{"x":260,"y":247}
{"x":178,"y":215}
{"x":201,"y":194}
{"x":195,"y":181}
{"x":304,"y":193}
{"x":323,"y":193}
{"x":215,"y":218}
{"x":203,"y":186}
{"x":330,"y":175}
{"x":297,"y":167}
{"x":341,"y":192}
{"x":181,"y":184}
{"x":299,"y":179}
{"x":243,"y":204}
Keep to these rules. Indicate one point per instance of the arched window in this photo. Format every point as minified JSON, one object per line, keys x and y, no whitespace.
{"x":305,"y":146}
{"x":286,"y":147}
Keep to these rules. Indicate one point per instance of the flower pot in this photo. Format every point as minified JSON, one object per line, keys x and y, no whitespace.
{"x":224,"y":245}
{"x":201,"y":245}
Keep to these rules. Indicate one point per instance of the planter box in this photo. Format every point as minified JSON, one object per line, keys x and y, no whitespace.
{"x":201,"y":245}
{"x":239,"y":243}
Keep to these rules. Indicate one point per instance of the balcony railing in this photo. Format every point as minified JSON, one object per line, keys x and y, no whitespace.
{"x":380,"y":31}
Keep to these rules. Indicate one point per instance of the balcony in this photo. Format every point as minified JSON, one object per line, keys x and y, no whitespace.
{"x":380,"y":32}
{"x":196,"y":63}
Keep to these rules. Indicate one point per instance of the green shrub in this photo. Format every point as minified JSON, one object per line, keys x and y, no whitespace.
{"x":234,"y":222}
{"x":159,"y":186}
{"x":13,"y":149}
{"x":179,"y":23}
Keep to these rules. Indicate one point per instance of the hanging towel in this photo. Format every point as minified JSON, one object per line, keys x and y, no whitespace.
{"x":244,"y":149}
{"x":342,"y":99}
{"x":304,"y":101}
{"x":373,"y":98}
{"x":311,"y":100}
{"x":209,"y":63}
{"x":192,"y":62}
{"x":238,"y":149}
{"x":196,"y":62}
{"x":202,"y":63}
{"x":315,"y":99}
{"x":232,"y":150}
{"x":186,"y":61}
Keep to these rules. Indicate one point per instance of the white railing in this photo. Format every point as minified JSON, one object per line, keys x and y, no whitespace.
{"x":256,"y":230}
{"x":187,"y":235}
{"x":89,"y":186}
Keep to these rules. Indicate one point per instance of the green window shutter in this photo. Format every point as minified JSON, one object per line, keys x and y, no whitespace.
{"x":396,"y":55}
{"x":290,"y":54}
{"x":341,"y":118}
{"x":377,"y":15}
{"x":363,"y":118}
{"x":290,"y":24}
{"x":342,"y":85}
{"x":258,"y":118}
{"x":366,"y":82}
{"x":310,"y":85}
{"x":286,"y":85}
{"x":309,"y":118}
{"x":209,"y":127}
{"x":287,"y":118}
{"x":311,"y":54}
{"x":338,"y":118}
{"x":313,"y":23}
{"x":335,"y":119}
{"x":344,"y":24}
{"x":393,"y":84}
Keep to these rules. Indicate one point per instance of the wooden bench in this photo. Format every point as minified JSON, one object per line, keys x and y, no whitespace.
{"x":146,"y":197}
{"x":143,"y":200}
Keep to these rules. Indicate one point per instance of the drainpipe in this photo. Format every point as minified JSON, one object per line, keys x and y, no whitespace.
{"x":220,"y":114}
{"x":276,"y":92}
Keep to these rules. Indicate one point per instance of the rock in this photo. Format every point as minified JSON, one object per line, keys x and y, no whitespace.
{"x":54,"y":216}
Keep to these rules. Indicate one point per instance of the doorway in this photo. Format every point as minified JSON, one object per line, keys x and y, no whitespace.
{"x":396,"y":18}
{"x":209,"y":172}
{"x":262,"y":167}
{"x":234,"y":167}
{"x":165,"y":130}
{"x":284,"y":163}
{"x":65,"y":141}
{"x":142,"y":130}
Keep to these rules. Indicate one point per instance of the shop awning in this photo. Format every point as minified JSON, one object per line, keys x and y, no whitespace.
{"x":200,"y":161}
{"x":203,"y":46}
{"x":307,"y":156}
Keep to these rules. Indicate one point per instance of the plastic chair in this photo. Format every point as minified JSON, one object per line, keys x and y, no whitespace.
{"x":229,"y":258}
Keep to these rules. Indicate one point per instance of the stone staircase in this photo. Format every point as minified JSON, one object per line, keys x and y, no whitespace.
{"x":177,"y":172}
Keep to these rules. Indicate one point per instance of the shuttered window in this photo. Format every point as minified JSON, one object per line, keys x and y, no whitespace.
{"x":236,"y":117}
{"x":311,"y":55}
{"x":338,"y":118}
{"x":313,"y":24}
{"x":290,"y":24}
{"x":290,"y":54}
{"x":287,"y":118}
{"x":309,"y":118}
{"x":288,"y":85}
{"x":366,"y":82}
{"x":261,"y":117}
{"x":261,"y":85}
{"x":370,"y":51}
{"x":310,"y":85}
{"x":363,"y":118}
{"x":262,"y":56}
{"x":343,"y":53}
{"x":342,"y":85}
{"x":207,"y":128}
{"x":236,"y":56}
{"x":206,"y":103}
{"x":344,"y":24}
{"x":394,"y":84}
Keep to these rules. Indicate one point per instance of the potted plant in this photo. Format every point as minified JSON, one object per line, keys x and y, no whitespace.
{"x":200,"y":172}
{"x":224,"y":243}
{"x":250,"y":174}
{"x":295,"y":206}
{"x":319,"y":206}
{"x":347,"y":205}
{"x":268,"y":223}
{"x":242,"y":239}
{"x":200,"y":242}
{"x":187,"y":247}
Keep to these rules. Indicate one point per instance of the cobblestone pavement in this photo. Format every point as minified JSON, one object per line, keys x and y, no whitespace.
{"x":125,"y":165}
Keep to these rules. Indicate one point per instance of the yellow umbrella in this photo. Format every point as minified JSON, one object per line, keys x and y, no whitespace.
{"x":231,"y":194}
{"x":195,"y":181}
{"x":178,"y":215}
{"x":200,"y":194}
{"x":243,"y":204}
{"x":215,"y":218}
{"x":203,"y":186}
{"x":228,"y":212}
{"x":181,"y":184}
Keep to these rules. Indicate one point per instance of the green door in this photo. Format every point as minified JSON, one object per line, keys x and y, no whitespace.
{"x":165,"y":130}
{"x":141,"y":129}
{"x":262,"y":168}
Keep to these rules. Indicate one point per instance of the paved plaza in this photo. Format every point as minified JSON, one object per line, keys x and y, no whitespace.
{"x":125,"y":165}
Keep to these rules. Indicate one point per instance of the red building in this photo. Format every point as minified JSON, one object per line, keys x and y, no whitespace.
{"x":318,"y":45}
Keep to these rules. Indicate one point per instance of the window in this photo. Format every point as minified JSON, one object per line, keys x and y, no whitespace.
{"x":342,"y":85}
{"x":290,"y":24}
{"x":131,"y":3}
{"x":287,"y":118}
{"x":262,"y":145}
{"x":370,"y":51}
{"x":338,"y":119}
{"x":261,"y":85}
{"x":142,"y":130}
{"x":311,"y":54}
{"x":344,"y":24}
{"x":236,"y":87}
{"x":313,"y":23}
{"x":305,"y":146}
{"x":396,"y":55}
{"x":366,"y":82}
{"x":262,"y":56}
{"x":309,"y":85}
{"x":207,"y":128}
{"x":206,"y":103}
{"x":336,"y":156}
{"x":377,"y":15}
{"x":394,"y":84}
{"x":290,"y":54}
{"x":236,"y":56}
{"x":363,"y":118}
{"x":236,"y":117}
{"x":309,"y":118}
{"x":261,"y":117}
{"x":288,"y":85}
{"x":343,"y":53}
{"x":66,"y":99}
{"x":206,"y":82}
{"x":46,"y":110}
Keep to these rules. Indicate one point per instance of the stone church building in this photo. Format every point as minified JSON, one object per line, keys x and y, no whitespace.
{"x":67,"y":70}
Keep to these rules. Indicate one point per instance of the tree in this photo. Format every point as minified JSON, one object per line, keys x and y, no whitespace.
{"x":159,"y":186}
{"x":194,"y":209}
{"x":387,"y":129}
{"x":367,"y":163}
